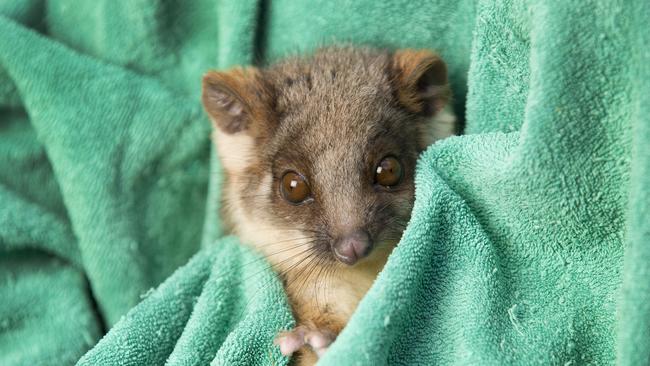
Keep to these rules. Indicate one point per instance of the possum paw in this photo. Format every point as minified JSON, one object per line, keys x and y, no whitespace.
{"x":318,"y":340}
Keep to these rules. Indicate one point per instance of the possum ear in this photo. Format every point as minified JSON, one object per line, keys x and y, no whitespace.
{"x":238,"y":100}
{"x":240,"y":105}
{"x":420,"y":81}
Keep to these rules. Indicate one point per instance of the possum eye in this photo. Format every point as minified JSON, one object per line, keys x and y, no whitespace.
{"x":388,"y":172}
{"x":294,"y":188}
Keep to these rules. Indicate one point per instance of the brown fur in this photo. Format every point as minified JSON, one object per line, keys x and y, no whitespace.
{"x":331,"y":117}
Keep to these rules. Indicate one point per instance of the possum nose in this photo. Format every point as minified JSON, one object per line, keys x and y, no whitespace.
{"x":353,"y":246}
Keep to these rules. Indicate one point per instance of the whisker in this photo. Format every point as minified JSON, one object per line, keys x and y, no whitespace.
{"x":280,"y":242}
{"x":267,"y":282}
{"x":320,"y":264}
{"x":310,"y":269}
{"x":267,"y":265}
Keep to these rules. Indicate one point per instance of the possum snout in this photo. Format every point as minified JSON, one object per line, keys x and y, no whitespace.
{"x":352,"y":247}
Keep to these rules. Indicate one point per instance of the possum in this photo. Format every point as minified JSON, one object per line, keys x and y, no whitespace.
{"x":319,"y":154}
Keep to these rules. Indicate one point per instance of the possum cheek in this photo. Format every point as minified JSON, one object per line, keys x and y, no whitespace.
{"x":255,"y":192}
{"x":394,"y":220}
{"x":236,"y":151}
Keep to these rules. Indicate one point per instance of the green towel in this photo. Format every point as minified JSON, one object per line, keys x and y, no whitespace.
{"x":528,"y":241}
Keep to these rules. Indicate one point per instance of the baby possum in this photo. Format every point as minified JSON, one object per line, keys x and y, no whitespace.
{"x":319,"y":155}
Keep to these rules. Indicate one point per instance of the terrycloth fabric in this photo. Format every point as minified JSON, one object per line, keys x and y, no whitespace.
{"x":528,"y":242}
{"x":103,"y":168}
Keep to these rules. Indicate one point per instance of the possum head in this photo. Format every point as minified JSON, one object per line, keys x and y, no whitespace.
{"x":320,"y":153}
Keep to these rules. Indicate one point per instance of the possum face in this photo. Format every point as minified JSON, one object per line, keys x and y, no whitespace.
{"x":320,"y":153}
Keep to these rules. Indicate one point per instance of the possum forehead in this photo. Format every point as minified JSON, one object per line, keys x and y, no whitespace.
{"x":337,"y":108}
{"x":346,"y":78}
{"x":338,"y":118}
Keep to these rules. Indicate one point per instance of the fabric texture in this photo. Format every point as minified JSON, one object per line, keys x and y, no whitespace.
{"x":528,"y":243}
